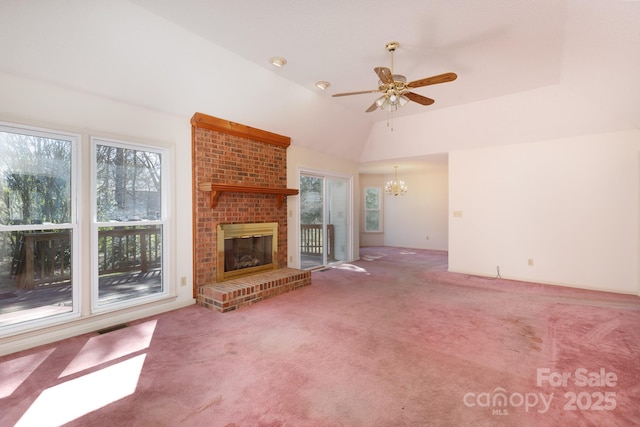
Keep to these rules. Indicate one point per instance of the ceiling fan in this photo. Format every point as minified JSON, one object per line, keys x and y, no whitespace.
{"x":395,"y":89}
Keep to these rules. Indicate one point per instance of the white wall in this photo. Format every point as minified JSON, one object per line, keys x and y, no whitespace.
{"x":40,"y":104}
{"x":419,"y":218}
{"x":570,"y":205}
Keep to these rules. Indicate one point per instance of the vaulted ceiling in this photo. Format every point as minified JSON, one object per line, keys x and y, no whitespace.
{"x":527,"y":69}
{"x":488,"y":43}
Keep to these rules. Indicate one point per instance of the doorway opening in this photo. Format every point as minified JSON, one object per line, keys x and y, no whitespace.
{"x":324,"y":219}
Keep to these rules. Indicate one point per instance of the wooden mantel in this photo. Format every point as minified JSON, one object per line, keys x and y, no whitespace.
{"x":225,"y":126}
{"x":217,"y":189}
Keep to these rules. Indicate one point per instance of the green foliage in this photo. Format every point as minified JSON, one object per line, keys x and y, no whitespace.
{"x":35,"y":179}
{"x":310,"y":200}
{"x":128,"y":184}
{"x":372,"y":198}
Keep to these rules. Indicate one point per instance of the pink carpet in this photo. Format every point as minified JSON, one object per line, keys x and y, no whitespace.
{"x":392,"y":340}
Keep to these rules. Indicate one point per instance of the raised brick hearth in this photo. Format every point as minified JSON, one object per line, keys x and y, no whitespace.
{"x":233,"y":294}
{"x":239,"y":176}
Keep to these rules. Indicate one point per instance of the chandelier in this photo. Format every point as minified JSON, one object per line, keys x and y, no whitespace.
{"x":395,"y":187}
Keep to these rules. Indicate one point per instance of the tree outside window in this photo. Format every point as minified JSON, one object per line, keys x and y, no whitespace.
{"x":129,"y":225}
{"x":38,"y":227}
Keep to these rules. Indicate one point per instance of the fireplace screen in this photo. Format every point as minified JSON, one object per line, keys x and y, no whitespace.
{"x":247,"y":252}
{"x":245,"y":249}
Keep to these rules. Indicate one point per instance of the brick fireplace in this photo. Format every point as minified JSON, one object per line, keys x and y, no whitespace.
{"x":239,"y":177}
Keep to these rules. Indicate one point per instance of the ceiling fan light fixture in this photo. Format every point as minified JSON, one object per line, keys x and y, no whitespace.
{"x":322,"y":85}
{"x":278,"y":61}
{"x":384,"y":103}
{"x":396,"y":89}
{"x":391,"y":102}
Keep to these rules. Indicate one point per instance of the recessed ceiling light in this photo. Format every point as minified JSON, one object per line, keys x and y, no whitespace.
{"x":278,"y":61}
{"x":322,"y":85}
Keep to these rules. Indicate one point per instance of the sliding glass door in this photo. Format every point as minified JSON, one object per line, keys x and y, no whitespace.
{"x":324,"y":220}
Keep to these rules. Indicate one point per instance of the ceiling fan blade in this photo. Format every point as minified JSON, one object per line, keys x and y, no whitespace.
{"x":419,"y":98}
{"x":384,"y":74}
{"x":356,"y":93}
{"x":373,"y":107}
{"x":441,"y":78}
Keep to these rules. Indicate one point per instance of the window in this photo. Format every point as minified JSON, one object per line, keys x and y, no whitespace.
{"x":372,"y":210}
{"x":129,"y":224}
{"x":39,"y":266}
{"x":40,"y":245}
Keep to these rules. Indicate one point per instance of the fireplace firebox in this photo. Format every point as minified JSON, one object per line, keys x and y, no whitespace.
{"x":245,"y":249}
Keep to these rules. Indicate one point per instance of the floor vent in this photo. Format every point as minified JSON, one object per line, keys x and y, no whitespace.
{"x":111,"y":329}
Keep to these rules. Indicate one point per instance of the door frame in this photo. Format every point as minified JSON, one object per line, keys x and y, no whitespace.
{"x":350,"y":214}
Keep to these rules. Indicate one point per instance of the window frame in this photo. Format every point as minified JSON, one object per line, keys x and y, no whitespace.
{"x":74,"y":225}
{"x":163,"y":221}
{"x":378,"y":209}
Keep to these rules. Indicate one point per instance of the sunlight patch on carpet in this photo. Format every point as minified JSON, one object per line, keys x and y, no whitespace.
{"x":15,"y":372}
{"x":70,"y":400}
{"x":351,"y":267}
{"x":105,"y":348}
{"x":371,"y":257}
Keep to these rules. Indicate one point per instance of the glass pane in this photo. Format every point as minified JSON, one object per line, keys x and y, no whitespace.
{"x":35,"y":179}
{"x":372,"y":198}
{"x":324,"y":220}
{"x":247,"y":252}
{"x":311,"y":220}
{"x":127,"y":184}
{"x":35,"y":275}
{"x":129,"y":262}
{"x":372,"y":221}
{"x":337,"y":219}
